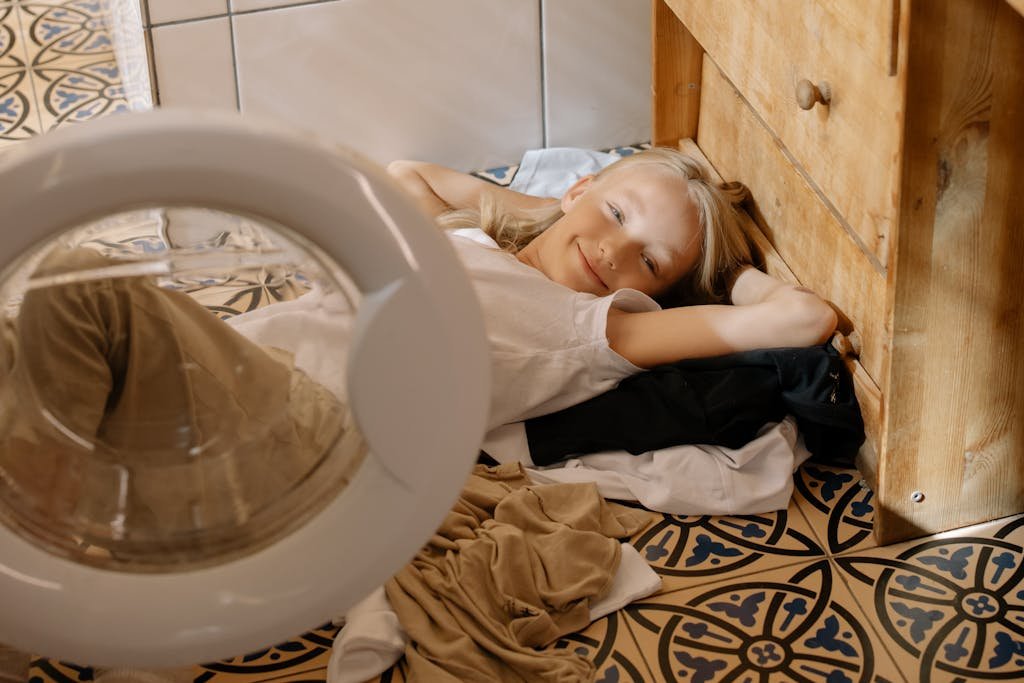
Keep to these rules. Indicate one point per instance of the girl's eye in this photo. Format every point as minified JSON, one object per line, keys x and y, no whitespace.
{"x":616,"y":213}
{"x":651,"y":265}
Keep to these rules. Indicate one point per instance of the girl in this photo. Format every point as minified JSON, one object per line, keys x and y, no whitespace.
{"x":568,"y":300}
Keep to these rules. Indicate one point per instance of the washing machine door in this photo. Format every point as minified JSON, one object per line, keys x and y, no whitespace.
{"x":186,"y":473}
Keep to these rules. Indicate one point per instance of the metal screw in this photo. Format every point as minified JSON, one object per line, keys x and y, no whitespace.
{"x":916,"y":496}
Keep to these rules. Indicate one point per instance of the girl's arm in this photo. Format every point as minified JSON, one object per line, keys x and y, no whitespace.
{"x":767,"y":313}
{"x":438,"y":189}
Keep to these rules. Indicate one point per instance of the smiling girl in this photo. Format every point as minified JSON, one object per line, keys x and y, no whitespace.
{"x":568,"y":286}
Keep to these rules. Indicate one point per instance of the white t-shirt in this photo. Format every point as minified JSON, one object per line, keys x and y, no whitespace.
{"x":549,"y":349}
{"x":548,"y":345}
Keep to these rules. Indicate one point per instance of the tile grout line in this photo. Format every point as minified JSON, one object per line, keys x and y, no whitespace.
{"x":238,"y":13}
{"x":29,"y":71}
{"x":882,"y":637}
{"x":636,"y":643}
{"x":728,"y":576}
{"x":838,"y":571}
{"x":234,"y":57}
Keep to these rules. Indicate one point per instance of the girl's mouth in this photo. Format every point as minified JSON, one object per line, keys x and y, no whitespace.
{"x":589,"y":269}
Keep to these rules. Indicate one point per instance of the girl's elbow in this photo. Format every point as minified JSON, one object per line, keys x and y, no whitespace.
{"x":819,"y":320}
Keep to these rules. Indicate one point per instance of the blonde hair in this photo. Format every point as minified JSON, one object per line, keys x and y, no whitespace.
{"x":723,"y":248}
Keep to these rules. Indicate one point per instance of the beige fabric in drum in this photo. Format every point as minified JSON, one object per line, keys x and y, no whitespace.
{"x":208,"y":428}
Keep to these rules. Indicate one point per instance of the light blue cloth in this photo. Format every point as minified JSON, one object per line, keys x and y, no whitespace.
{"x":551,"y":172}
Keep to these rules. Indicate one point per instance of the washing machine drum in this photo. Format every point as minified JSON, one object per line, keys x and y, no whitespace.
{"x":242,"y":380}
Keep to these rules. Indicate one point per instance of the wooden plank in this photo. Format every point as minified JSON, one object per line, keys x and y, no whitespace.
{"x":803,"y":231}
{"x":955,"y":425}
{"x":675,"y":78}
{"x":848,"y":150}
{"x":868,"y":393}
{"x":1018,"y":5}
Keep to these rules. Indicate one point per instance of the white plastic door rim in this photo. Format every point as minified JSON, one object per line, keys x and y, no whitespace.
{"x":418,"y":385}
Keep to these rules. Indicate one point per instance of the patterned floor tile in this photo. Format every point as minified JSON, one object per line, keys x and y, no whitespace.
{"x":300,"y":659}
{"x":951,"y":606}
{"x":610,"y":645}
{"x":837,"y":503}
{"x":687,"y":551}
{"x":19,"y":119}
{"x":71,"y":61}
{"x":794,"y":623}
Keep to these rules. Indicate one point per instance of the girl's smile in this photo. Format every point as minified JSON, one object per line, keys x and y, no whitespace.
{"x":632,"y":228}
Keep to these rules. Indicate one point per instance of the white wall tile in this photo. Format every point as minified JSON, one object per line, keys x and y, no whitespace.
{"x":193,"y":64}
{"x":597,"y":72}
{"x":248,"y":5}
{"x":161,"y":11}
{"x":450,"y":81}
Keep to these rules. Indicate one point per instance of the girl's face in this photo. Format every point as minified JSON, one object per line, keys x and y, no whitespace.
{"x":633,"y":227}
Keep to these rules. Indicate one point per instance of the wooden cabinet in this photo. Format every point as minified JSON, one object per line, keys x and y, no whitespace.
{"x":895,"y":187}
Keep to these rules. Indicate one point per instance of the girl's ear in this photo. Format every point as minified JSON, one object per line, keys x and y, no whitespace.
{"x":574,"y":192}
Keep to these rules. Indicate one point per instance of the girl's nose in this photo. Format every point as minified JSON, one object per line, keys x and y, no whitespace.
{"x":615,"y":249}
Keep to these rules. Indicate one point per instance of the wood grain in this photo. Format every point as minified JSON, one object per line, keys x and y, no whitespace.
{"x":956,"y":432}
{"x":805,"y":234}
{"x":868,"y":394}
{"x":675,"y":78}
{"x":848,"y":150}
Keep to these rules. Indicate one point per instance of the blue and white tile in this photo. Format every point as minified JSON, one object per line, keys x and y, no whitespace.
{"x":688,"y":551}
{"x":76,"y":30}
{"x":72,"y":63}
{"x":951,"y":606}
{"x":610,"y":645}
{"x":792,"y":623}
{"x":19,"y":119}
{"x":838,"y":505}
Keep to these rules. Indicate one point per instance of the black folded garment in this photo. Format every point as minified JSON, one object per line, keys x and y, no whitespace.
{"x":721,"y":401}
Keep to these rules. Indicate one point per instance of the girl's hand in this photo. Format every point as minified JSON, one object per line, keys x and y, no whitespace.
{"x":438,"y":189}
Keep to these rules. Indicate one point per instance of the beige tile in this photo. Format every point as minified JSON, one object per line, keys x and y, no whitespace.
{"x":450,"y":81}
{"x":688,"y":551}
{"x":253,"y":5}
{"x":838,"y":505}
{"x":793,"y":623}
{"x":951,"y":606}
{"x":194,"y":65}
{"x":597,"y":72}
{"x":163,"y":11}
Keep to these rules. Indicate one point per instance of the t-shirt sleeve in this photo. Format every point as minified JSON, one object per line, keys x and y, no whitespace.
{"x":592,"y":322}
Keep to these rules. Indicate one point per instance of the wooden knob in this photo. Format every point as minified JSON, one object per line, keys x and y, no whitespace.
{"x":807,"y":94}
